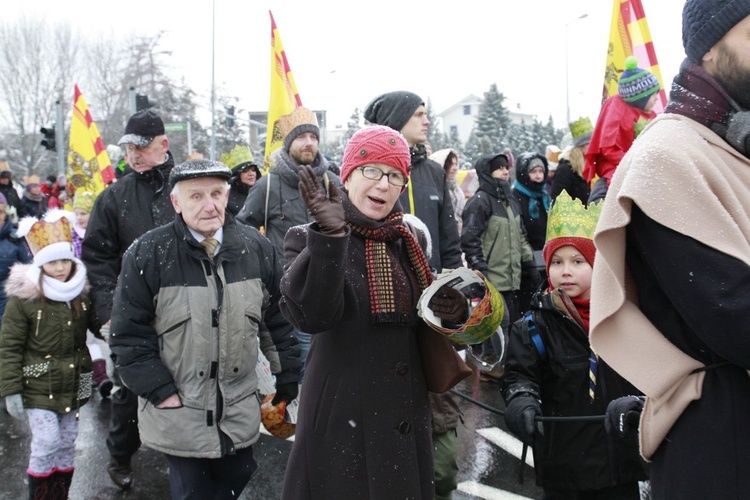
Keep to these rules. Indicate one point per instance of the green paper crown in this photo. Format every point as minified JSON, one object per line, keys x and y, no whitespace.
{"x":569,"y":218}
{"x":237,"y":156}
{"x":581,"y":126}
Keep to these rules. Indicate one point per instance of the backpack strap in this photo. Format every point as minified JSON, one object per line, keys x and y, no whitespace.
{"x":535,"y":334}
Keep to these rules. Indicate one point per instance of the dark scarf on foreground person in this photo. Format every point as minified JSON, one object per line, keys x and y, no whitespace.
{"x":699,"y":96}
{"x":289,"y":171}
{"x":390,"y":299}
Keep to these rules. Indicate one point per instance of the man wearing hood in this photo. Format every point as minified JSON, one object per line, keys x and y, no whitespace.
{"x":122,"y":212}
{"x":493,"y":237}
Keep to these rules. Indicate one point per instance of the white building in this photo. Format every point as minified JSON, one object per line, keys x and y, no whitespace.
{"x":461,"y":116}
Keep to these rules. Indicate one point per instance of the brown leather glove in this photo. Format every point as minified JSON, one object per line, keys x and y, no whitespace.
{"x":327,"y":211}
{"x":449,"y":305}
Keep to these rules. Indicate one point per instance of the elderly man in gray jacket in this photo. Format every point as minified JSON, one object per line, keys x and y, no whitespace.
{"x":194,"y":299}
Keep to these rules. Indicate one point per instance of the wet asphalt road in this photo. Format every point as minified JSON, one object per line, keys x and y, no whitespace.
{"x":486,"y":470}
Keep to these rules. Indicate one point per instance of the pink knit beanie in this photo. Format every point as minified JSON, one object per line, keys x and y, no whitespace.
{"x":376,"y":144}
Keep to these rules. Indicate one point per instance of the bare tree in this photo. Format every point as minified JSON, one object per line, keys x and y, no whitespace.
{"x":36,"y":64}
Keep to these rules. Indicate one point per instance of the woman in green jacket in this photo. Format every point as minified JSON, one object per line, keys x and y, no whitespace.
{"x":45,"y":366}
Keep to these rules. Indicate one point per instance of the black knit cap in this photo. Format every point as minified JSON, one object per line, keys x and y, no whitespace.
{"x":705,"y":22}
{"x":393,"y":109}
{"x":141,"y":129}
{"x":194,"y":169}
{"x":498,"y":161}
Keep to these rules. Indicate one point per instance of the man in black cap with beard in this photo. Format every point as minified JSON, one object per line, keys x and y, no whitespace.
{"x":670,"y":295}
{"x":124,"y":211}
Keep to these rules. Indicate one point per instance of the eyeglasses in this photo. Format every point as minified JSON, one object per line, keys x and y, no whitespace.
{"x":375,"y":174}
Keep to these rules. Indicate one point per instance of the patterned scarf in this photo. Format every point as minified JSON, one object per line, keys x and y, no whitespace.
{"x":699,"y":96}
{"x":535,"y":197}
{"x":390,"y":301}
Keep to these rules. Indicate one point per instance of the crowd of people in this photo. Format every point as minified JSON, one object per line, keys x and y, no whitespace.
{"x":621,"y":260}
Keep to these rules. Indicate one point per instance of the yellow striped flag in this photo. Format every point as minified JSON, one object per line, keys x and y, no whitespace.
{"x":629,"y":35}
{"x":284,"y":95}
{"x":89,"y":167}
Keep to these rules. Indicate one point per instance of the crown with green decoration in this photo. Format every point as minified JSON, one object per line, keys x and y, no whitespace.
{"x":569,"y":218}
{"x":581,"y":126}
{"x":237,"y":156}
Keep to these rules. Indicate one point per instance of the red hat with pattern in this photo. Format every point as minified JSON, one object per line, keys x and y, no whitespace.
{"x":376,"y":144}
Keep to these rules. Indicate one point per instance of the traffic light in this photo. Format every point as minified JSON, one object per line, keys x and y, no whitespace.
{"x":49,"y":138}
{"x":143,"y":102}
{"x":230,"y":116}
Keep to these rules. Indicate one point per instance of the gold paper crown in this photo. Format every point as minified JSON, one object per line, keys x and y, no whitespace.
{"x":569,"y":218}
{"x":237,"y":156}
{"x":581,"y":126}
{"x":300,"y":116}
{"x":45,"y":233}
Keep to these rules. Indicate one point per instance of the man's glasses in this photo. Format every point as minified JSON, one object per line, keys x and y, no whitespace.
{"x":375,"y":174}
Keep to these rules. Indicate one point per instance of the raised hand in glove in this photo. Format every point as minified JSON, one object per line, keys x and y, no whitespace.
{"x":623,"y":415}
{"x":449,"y":305}
{"x":519,"y":417}
{"x":14,"y":405}
{"x":287,"y":392}
{"x":326,"y":208}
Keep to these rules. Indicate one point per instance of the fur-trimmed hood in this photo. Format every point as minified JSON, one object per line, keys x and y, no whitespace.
{"x":20,"y":285}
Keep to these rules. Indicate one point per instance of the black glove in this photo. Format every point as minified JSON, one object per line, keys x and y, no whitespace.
{"x":530,"y":276}
{"x":327,"y":211}
{"x":287,"y":392}
{"x":623,"y":415}
{"x":449,"y":305}
{"x":519,"y":417}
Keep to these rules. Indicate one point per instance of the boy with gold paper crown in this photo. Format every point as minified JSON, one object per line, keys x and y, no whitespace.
{"x":552,"y":371}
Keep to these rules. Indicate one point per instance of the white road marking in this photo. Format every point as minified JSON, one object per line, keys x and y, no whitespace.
{"x":487,"y":492}
{"x":507,"y":442}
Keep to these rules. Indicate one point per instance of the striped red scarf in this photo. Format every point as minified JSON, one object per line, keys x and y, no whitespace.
{"x":389,"y":289}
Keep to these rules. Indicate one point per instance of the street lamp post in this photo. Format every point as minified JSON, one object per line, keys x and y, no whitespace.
{"x":567,"y":80}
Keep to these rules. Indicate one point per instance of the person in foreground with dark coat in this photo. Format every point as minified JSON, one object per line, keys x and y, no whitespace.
{"x":551,"y":371}
{"x":193,"y":302}
{"x":353,"y":279}
{"x":427,"y":196}
{"x":671,"y":284}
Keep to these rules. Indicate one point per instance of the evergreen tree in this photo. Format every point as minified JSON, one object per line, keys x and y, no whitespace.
{"x":434,"y":136}
{"x":492,"y":123}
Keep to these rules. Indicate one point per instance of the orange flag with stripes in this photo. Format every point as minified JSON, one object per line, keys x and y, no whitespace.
{"x":629,"y":35}
{"x":284,"y":95}
{"x":89,"y":167}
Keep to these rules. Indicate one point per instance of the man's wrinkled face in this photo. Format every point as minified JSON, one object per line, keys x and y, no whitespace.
{"x":304,"y":148}
{"x":142,"y":159}
{"x":202,"y":203}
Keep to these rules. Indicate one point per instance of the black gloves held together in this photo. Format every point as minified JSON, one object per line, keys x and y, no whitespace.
{"x":286,"y":392}
{"x":326,"y":208}
{"x":519,"y":417}
{"x":623,"y":416}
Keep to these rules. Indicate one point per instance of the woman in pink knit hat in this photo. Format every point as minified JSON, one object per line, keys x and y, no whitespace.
{"x":353,"y":280}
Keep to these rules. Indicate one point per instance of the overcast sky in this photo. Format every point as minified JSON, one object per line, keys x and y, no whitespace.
{"x":344,"y":53}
